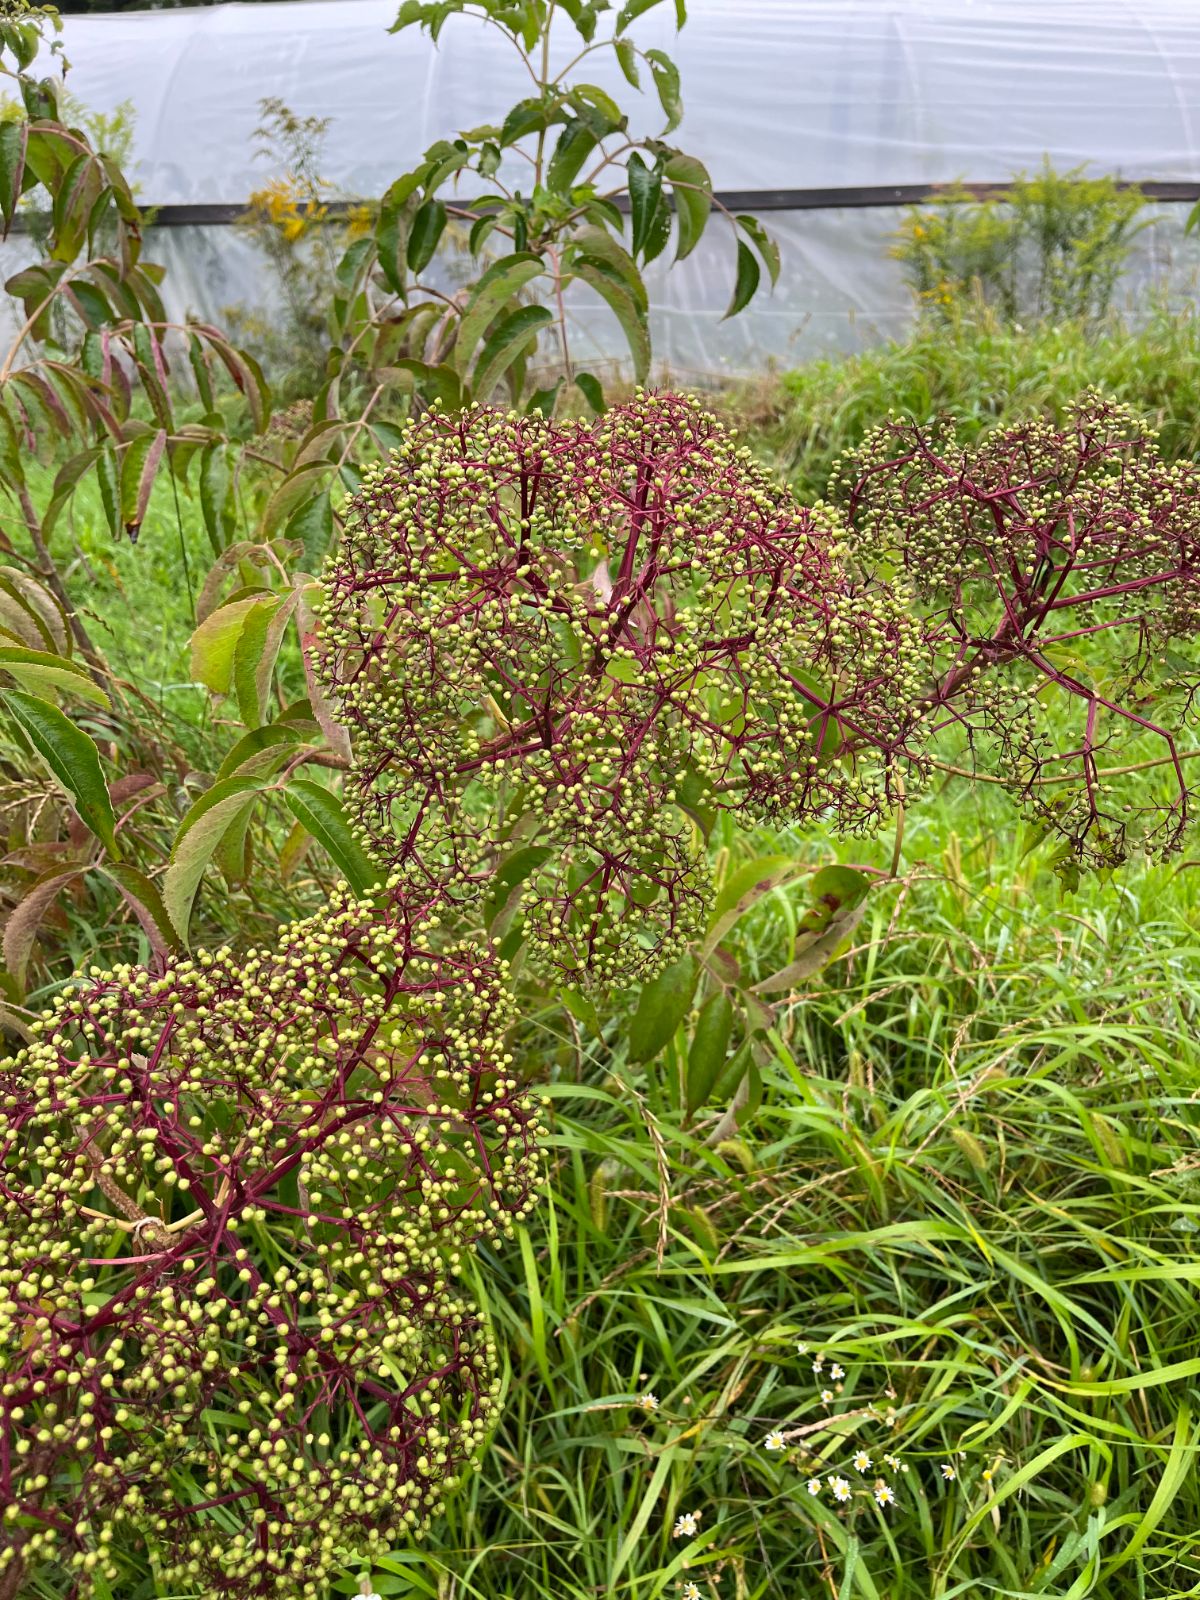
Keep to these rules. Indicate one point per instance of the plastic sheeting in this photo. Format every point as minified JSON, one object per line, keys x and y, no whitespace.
{"x":778,"y":94}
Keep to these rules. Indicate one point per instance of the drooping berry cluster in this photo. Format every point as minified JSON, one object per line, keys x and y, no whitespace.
{"x":1058,"y":570}
{"x":558,"y":645}
{"x":572,"y":637}
{"x":233,"y":1199}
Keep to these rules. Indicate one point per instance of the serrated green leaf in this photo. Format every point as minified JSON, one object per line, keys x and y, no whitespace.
{"x":40,"y":671}
{"x":591,"y":390}
{"x":632,"y":10}
{"x":217,"y":504}
{"x":645,"y":191}
{"x":138,"y":468}
{"x":321,"y":811}
{"x":261,"y":752}
{"x":72,"y":759}
{"x":621,"y":303}
{"x":214,"y":641}
{"x":626,"y":52}
{"x":763,"y":243}
{"x":601,"y":249}
{"x":662,"y":1006}
{"x":13,"y":136}
{"x":513,"y":334}
{"x":691,"y":188}
{"x":218,"y":809}
{"x":255,"y":651}
{"x":575,"y":144}
{"x":748,"y":277}
{"x":666,"y":80}
{"x":502,"y":281}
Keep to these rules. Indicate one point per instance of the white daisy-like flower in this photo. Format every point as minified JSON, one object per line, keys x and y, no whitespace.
{"x":687,"y":1526}
{"x":649,"y":1402}
{"x":862,"y":1462}
{"x":802,"y":1348}
{"x":818,"y":1367}
{"x":885,"y":1495}
{"x":826,"y":1396}
{"x":836,"y":1372}
{"x":813,"y":1486}
{"x":841,"y":1489}
{"x":774,"y":1440}
{"x":948,"y":1472}
{"x":895,"y":1463}
{"x":689,"y":1592}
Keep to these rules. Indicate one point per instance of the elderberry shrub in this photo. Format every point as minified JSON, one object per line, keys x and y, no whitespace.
{"x":1058,"y":573}
{"x":234,"y":1196}
{"x":576,"y":639}
{"x":561,"y":647}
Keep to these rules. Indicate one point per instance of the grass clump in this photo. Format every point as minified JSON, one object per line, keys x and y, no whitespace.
{"x":982,"y":373}
{"x":972,"y":1189}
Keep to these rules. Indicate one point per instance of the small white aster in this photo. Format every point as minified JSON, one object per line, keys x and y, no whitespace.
{"x":841,"y":1489}
{"x":885,"y":1495}
{"x":687,"y":1526}
{"x":813,"y":1486}
{"x":689,"y":1592}
{"x":862,"y":1462}
{"x":774,"y":1440}
{"x":818,"y":1367}
{"x":836,"y":1372}
{"x":826,"y":1396}
{"x":802,"y":1348}
{"x":895,"y":1463}
{"x":948,"y":1472}
{"x":649,"y":1402}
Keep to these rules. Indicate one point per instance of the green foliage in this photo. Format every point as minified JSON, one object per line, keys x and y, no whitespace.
{"x":980,"y":373}
{"x":563,"y":231}
{"x":971,"y":1182}
{"x":1051,"y":248}
{"x":923,"y":1118}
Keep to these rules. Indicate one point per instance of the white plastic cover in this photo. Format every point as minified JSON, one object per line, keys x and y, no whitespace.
{"x":778,"y":94}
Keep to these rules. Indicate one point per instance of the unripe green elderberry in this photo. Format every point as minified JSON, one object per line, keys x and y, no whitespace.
{"x":246,"y":1375}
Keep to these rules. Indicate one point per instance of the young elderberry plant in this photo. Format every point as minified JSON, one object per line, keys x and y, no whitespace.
{"x":234,"y":1195}
{"x":560,"y":649}
{"x":541,"y":219}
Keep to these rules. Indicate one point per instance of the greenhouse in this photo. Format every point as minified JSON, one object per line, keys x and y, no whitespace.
{"x":823,"y":117}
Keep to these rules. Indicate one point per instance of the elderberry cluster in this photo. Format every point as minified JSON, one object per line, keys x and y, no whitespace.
{"x":562,"y":644}
{"x":234,"y":1198}
{"x":1058,"y":569}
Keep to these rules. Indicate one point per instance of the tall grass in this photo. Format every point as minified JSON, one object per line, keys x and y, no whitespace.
{"x":974,"y":1184}
{"x":982,"y":372}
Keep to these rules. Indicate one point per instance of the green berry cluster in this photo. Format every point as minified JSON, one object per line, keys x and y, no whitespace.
{"x":1058,"y":568}
{"x":235,"y":1195}
{"x":576,"y":639}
